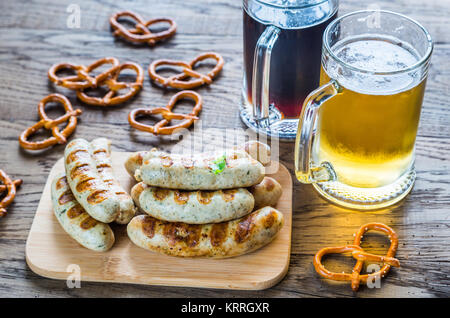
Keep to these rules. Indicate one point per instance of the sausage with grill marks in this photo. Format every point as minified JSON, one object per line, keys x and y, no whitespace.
{"x":101,"y":153}
{"x":176,"y":171}
{"x":218,"y":240}
{"x":135,"y":161}
{"x":255,"y":149}
{"x":266,"y":193}
{"x":201,"y":207}
{"x":87,"y":185}
{"x":193,"y":207}
{"x":87,"y":231}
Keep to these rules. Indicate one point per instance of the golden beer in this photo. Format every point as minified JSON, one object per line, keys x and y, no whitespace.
{"x":356,"y":133}
{"x":368,"y":133}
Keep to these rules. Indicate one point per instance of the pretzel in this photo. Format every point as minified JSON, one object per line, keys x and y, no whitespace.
{"x":178,"y":80}
{"x":10,"y":187}
{"x":361,"y":256}
{"x":59,"y":137}
{"x":141,"y":32}
{"x":82,"y":79}
{"x":112,"y":97}
{"x":161,"y":127}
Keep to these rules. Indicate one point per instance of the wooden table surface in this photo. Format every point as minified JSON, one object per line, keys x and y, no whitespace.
{"x":34,"y":35}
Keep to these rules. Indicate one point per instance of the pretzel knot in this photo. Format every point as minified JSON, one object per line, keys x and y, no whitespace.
{"x":141,"y":32}
{"x":361,"y":256}
{"x":59,"y":137}
{"x":10,"y":187}
{"x":113,"y":97}
{"x":162,"y":128}
{"x":82,"y":79}
{"x":179,"y":80}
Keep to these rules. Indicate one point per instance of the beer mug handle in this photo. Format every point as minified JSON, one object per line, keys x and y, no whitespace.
{"x":305,"y":170}
{"x":261,"y":75}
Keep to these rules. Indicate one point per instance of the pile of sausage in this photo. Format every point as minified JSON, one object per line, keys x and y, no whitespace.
{"x":87,"y":196}
{"x":190,"y":209}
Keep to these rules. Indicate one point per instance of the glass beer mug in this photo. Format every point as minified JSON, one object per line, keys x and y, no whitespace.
{"x":282,"y":49}
{"x":356,"y":133}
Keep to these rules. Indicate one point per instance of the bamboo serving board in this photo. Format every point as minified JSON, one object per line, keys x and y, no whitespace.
{"x":50,"y":250}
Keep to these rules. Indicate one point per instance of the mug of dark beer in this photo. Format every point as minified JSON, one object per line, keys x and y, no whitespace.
{"x":282,"y":51}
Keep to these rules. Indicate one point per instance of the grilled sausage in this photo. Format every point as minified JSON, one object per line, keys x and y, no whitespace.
{"x":135,"y":161}
{"x":257,"y":150}
{"x":266,"y":193}
{"x":87,"y":185}
{"x":101,"y":153}
{"x":193,"y":207}
{"x":76,"y":221}
{"x":219,"y":240}
{"x":175,"y":171}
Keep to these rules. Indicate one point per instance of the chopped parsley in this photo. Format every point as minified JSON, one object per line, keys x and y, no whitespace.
{"x":219,"y":164}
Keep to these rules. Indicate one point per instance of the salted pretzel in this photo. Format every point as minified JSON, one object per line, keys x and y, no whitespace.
{"x":59,"y":137}
{"x":179,"y":80}
{"x":10,"y":187}
{"x":112,"y":97}
{"x":361,"y":256}
{"x":141,"y":32}
{"x":162,"y":128}
{"x":83,"y":79}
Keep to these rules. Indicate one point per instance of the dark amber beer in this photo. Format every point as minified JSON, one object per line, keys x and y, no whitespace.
{"x":295,"y":63}
{"x":282,"y":55}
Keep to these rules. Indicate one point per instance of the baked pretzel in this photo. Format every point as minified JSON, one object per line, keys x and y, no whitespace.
{"x":141,"y":32}
{"x":3,"y":188}
{"x":112,"y":97}
{"x":161,"y":128}
{"x":59,"y":137}
{"x":361,"y":256}
{"x":82,"y":79}
{"x":178,"y":81}
{"x":10,"y":187}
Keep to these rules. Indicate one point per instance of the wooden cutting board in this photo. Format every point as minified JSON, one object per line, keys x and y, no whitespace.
{"x":50,"y":251}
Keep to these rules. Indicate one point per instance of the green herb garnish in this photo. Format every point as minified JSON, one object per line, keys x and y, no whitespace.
{"x":219,"y":164}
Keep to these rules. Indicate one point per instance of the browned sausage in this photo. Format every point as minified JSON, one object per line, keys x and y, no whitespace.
{"x":266,"y":193}
{"x":218,"y":240}
{"x":193,"y":207}
{"x":101,"y":153}
{"x":90,"y":190}
{"x":87,"y":231}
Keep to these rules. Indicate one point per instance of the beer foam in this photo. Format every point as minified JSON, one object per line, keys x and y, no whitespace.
{"x":374,"y":55}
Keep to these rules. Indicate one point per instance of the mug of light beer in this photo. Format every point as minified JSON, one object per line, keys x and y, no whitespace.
{"x":282,"y":49}
{"x":356,"y":134}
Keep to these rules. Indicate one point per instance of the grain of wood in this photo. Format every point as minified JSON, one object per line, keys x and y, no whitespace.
{"x":34,"y":35}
